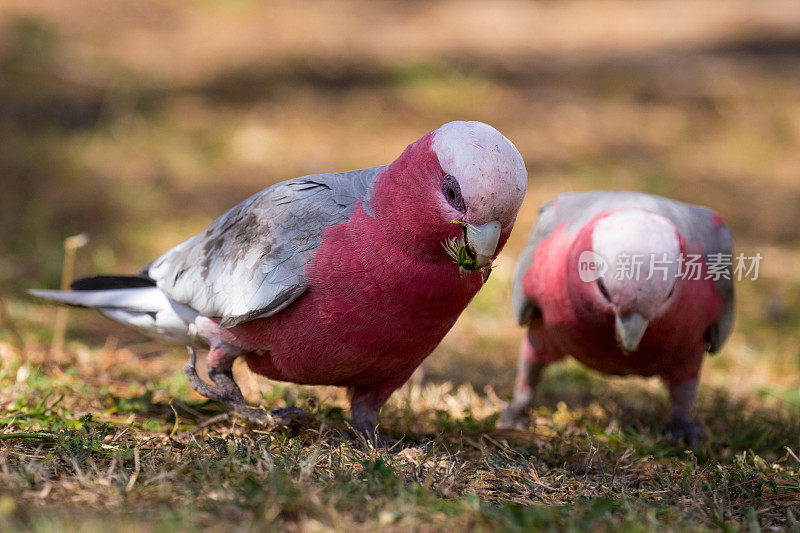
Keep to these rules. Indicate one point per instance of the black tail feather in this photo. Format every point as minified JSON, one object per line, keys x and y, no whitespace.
{"x":100,"y":283}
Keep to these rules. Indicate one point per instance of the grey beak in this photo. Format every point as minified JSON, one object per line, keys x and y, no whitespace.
{"x":482,"y":241}
{"x":629,"y":331}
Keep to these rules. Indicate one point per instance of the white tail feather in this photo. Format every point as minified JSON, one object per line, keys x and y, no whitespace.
{"x":144,"y":308}
{"x":143,"y":299}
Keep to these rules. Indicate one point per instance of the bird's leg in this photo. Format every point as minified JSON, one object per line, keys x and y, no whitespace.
{"x":529,"y":373}
{"x":365,"y":404}
{"x":364,"y":413}
{"x":683,"y":428}
{"x":220,"y":370}
{"x":225,"y":389}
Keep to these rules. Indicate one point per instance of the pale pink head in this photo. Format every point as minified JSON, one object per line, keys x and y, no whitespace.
{"x":640,"y":252}
{"x":466,"y":172}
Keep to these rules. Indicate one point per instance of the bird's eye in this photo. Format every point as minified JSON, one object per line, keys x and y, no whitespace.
{"x":671,"y":291}
{"x":452,"y":193}
{"x":603,"y":290}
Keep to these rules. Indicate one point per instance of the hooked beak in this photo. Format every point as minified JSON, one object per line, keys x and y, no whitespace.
{"x":481,"y":241}
{"x":629,"y":331}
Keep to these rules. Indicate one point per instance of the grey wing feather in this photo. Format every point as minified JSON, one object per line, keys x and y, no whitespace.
{"x":249,"y":263}
{"x":548,"y":220}
{"x":715,"y":238}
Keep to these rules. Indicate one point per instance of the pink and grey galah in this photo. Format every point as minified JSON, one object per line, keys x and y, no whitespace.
{"x":347,"y":279}
{"x":626,"y":283}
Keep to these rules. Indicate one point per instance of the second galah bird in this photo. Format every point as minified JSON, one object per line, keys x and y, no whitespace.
{"x":626,"y":283}
{"x":347,"y":279}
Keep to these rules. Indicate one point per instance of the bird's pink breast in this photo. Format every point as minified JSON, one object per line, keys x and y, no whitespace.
{"x":672,"y":347}
{"x":371,"y":313}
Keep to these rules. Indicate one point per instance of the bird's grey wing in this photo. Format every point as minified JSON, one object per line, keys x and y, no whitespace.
{"x":250,"y":262}
{"x":717,"y":242}
{"x":550,"y":217}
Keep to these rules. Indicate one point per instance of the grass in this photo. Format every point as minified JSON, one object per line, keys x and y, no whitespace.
{"x":99,"y":443}
{"x":138,"y":126}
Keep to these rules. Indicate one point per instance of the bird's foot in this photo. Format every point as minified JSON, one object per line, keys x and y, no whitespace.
{"x":226,"y":390}
{"x":254,"y":415}
{"x":514,"y":417}
{"x":288,"y":416}
{"x":684,"y":430}
{"x":291,"y":417}
{"x":371,"y":438}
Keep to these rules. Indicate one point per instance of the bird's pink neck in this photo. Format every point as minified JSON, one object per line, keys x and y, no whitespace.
{"x":404,"y":202}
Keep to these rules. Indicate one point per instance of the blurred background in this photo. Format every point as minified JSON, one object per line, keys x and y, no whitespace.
{"x":140,"y":122}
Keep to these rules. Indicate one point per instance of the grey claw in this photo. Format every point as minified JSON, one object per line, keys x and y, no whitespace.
{"x":253,"y":415}
{"x":288,"y":416}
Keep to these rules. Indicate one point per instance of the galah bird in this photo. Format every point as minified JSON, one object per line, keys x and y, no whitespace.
{"x":347,"y":279}
{"x":626,"y":283}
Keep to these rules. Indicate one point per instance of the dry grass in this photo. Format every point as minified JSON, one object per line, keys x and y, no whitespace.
{"x":108,"y":441}
{"x":140,"y":122}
